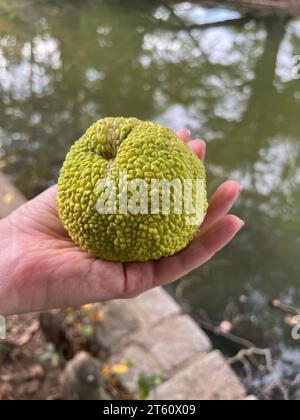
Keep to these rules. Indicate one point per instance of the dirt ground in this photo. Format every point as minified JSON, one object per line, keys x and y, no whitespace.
{"x":38,"y":348}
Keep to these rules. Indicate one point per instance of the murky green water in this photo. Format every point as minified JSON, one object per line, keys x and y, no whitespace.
{"x":65,"y":64}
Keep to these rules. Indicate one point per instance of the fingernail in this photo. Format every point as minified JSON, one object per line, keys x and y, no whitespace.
{"x":242,"y":223}
{"x":203,"y":143}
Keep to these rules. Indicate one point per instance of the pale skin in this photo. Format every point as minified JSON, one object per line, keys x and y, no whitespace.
{"x":41,"y":268}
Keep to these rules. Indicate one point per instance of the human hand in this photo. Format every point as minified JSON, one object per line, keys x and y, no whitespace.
{"x":41,"y":268}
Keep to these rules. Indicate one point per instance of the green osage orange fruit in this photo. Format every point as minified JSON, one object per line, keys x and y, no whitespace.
{"x":120,"y":188}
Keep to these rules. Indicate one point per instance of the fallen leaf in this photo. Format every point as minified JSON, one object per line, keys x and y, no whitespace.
{"x":9,"y":198}
{"x":96,"y":315}
{"x":120,"y":368}
{"x":86,"y":309}
{"x":106,"y":370}
{"x":26,"y":336}
{"x":6,"y":377}
{"x":29,"y":388}
{"x":291,"y":320}
{"x":36,"y":371}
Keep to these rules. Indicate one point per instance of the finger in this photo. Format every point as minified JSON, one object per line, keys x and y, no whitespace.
{"x":44,"y":207}
{"x":48,"y":199}
{"x":221,"y":202}
{"x":184,"y":135}
{"x":200,"y":250}
{"x":199,"y":147}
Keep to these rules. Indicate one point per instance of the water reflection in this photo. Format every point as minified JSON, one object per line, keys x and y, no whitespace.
{"x":64,"y":65}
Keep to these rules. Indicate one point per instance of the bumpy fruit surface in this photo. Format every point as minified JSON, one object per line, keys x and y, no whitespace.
{"x":144,"y":150}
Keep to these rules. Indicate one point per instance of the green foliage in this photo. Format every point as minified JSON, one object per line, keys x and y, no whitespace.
{"x":86,"y":331}
{"x":50,"y":355}
{"x":71,"y":318}
{"x":146,"y":383}
{"x":5,"y":349}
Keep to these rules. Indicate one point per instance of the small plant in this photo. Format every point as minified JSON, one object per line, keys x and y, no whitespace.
{"x":146,"y":383}
{"x":86,"y":331}
{"x":50,"y":355}
{"x":5,"y":349}
{"x":71,"y":318}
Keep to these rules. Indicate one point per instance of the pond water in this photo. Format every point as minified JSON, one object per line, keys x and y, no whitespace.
{"x":65,"y":64}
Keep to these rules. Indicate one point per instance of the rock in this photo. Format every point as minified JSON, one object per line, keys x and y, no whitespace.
{"x":52,"y":327}
{"x":82,"y":379}
{"x":251,"y":398}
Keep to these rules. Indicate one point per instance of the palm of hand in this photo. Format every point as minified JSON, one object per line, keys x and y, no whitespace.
{"x":49,"y":270}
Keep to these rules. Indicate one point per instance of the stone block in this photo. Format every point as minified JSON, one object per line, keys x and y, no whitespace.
{"x":155,"y":305}
{"x":205,"y":378}
{"x":173,"y":341}
{"x":119,"y":322}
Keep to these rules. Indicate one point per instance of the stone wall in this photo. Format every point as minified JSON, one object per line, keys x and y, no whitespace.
{"x":153,"y":334}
